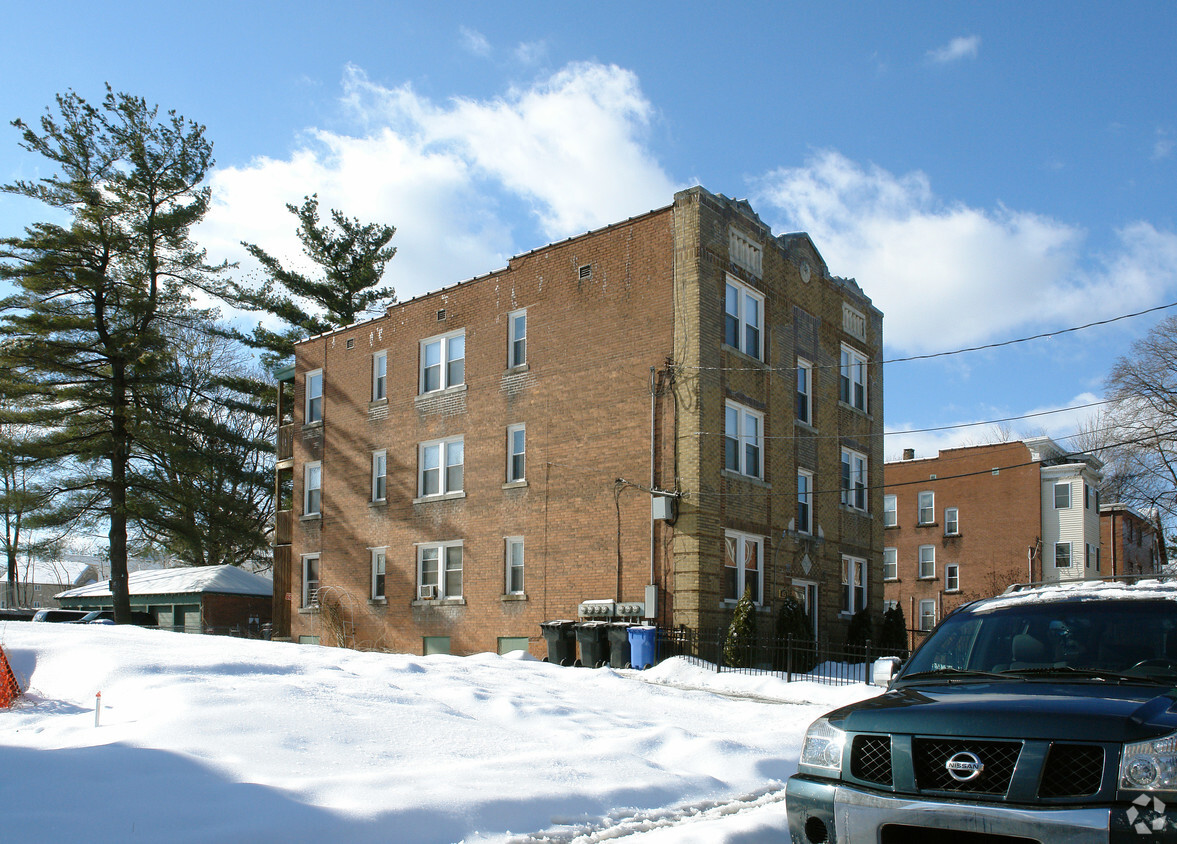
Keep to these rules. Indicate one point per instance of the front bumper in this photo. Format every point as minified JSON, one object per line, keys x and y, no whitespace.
{"x":846,"y":814}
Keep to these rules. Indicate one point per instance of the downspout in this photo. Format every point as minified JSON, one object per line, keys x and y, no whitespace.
{"x":653,"y":412}
{"x":1113,"y":543}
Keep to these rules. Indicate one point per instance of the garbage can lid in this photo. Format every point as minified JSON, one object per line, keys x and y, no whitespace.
{"x":557,"y":623}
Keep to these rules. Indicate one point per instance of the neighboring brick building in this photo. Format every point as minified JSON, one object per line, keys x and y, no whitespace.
{"x":1132,"y":542}
{"x":487,"y":457}
{"x":971,"y":521}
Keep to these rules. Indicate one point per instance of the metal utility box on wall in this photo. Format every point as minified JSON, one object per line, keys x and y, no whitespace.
{"x":662,"y":507}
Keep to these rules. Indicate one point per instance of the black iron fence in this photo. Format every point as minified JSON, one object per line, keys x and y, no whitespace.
{"x":790,"y":658}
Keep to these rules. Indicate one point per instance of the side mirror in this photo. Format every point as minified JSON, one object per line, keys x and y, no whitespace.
{"x":884,"y":670}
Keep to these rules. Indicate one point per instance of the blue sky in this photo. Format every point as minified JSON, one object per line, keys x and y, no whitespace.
{"x":985,"y":173}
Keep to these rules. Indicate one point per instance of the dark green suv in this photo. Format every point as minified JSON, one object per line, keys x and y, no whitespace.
{"x":1042,"y":715}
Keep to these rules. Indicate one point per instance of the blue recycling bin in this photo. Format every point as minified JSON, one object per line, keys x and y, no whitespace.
{"x":642,"y":641}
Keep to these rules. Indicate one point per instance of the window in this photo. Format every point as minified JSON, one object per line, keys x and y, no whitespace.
{"x":1097,"y":558}
{"x":310,"y":581}
{"x":1087,"y":560}
{"x":951,"y":521}
{"x":440,"y":467}
{"x":952,"y":577}
{"x":314,"y":408}
{"x":853,"y":584}
{"x":1062,"y":555}
{"x":890,"y":564}
{"x":927,"y":614}
{"x":743,"y":307}
{"x":742,"y":569}
{"x":804,"y":391}
{"x":379,"y":376}
{"x":743,"y":252}
{"x":853,"y":479}
{"x":312,"y":488}
{"x":890,"y":510}
{"x":435,"y":645}
{"x":443,"y":362}
{"x":927,"y":561}
{"x":742,"y":440}
{"x":804,"y":501}
{"x":379,"y":559}
{"x":514,"y":565}
{"x":379,"y":475}
{"x":1062,"y":496}
{"x":852,"y":381}
{"x":517,"y":348}
{"x":516,"y":453}
{"x":927,"y":503}
{"x":439,"y":570}
{"x":1086,"y":495}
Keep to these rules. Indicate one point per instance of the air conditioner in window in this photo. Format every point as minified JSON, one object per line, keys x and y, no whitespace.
{"x":427,"y":593}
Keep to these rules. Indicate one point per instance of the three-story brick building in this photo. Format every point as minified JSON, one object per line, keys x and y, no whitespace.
{"x":656,"y":416}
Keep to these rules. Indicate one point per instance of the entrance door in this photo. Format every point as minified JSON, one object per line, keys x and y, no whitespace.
{"x":805,"y":591}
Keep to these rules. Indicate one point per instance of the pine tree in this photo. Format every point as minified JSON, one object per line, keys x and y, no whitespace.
{"x":893,"y":632}
{"x":85,"y":327}
{"x":737,"y":647}
{"x":351,"y":256}
{"x":795,"y":624}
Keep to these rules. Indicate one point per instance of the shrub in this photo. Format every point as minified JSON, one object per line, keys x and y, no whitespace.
{"x":737,"y":647}
{"x":793,"y":622}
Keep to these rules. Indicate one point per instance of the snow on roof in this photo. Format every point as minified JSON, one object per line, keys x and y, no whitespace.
{"x":1086,"y":590}
{"x":223,"y":579}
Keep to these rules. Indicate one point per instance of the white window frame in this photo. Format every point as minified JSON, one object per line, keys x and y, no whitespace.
{"x":313,"y":470}
{"x":314,"y":397}
{"x":516,"y":453}
{"x":515,"y":566}
{"x":804,"y":501}
{"x":855,"y":473}
{"x":951,"y":521}
{"x":440,"y":553}
{"x":451,"y":453}
{"x":805,"y":592}
{"x":926,"y":508}
{"x":744,"y":440}
{"x":310,"y":597}
{"x":952,"y":577}
{"x":380,"y":376}
{"x":890,"y":511}
{"x":516,"y":338}
{"x":927,"y":562}
{"x":855,"y":593}
{"x":852,"y":379}
{"x":1061,"y":546}
{"x":739,"y":542}
{"x":890,"y":564}
{"x":927,"y":614}
{"x":379,"y":475}
{"x":1062,"y":486}
{"x":804,"y":408}
{"x":379,"y":573}
{"x":738,"y":301}
{"x":448,"y":374}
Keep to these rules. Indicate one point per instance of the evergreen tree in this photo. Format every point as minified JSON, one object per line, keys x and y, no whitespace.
{"x":893,"y":632}
{"x":85,"y":327}
{"x":737,"y":647}
{"x":793,"y":622}
{"x":351,"y":256}
{"x":860,"y":630}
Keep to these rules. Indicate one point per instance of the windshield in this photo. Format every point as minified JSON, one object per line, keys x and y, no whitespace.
{"x":1134,"y":638}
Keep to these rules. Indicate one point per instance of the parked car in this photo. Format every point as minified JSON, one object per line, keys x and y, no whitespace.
{"x":17,"y":615}
{"x":1041,"y":715}
{"x":57,"y":615}
{"x":138,"y":618}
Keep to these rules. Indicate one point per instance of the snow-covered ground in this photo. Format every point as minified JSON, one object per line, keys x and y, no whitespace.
{"x":206,"y":739}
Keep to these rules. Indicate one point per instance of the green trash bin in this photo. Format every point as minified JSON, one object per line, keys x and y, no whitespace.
{"x":619,"y":644}
{"x":561,"y":641}
{"x":642,"y":641}
{"x":593,"y":638}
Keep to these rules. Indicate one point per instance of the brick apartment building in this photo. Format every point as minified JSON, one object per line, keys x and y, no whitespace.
{"x":1131,"y":542}
{"x":971,"y":521}
{"x":655,"y":416}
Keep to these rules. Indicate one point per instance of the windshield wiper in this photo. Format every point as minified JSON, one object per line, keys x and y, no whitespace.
{"x":954,"y":673}
{"x":1090,"y":673}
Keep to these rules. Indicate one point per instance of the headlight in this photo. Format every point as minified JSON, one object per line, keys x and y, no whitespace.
{"x":1150,"y":765}
{"x":823,"y":747}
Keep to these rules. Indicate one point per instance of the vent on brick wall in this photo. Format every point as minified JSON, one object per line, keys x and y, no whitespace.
{"x":586,"y":271}
{"x":441,"y":315}
{"x":351,"y":343}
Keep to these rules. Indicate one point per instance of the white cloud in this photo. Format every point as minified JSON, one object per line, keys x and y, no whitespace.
{"x":949,"y":275}
{"x":571,"y":147}
{"x":475,"y":41}
{"x":531,"y":52}
{"x":1162,"y":145}
{"x":956,"y":49}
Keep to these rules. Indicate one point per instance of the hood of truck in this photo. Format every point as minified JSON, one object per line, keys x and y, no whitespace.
{"x":1094,"y":712}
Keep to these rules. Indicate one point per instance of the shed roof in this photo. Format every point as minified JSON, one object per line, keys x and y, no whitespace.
{"x":228,"y":580}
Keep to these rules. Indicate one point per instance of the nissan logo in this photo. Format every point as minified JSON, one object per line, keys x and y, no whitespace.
{"x":964,"y":766}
